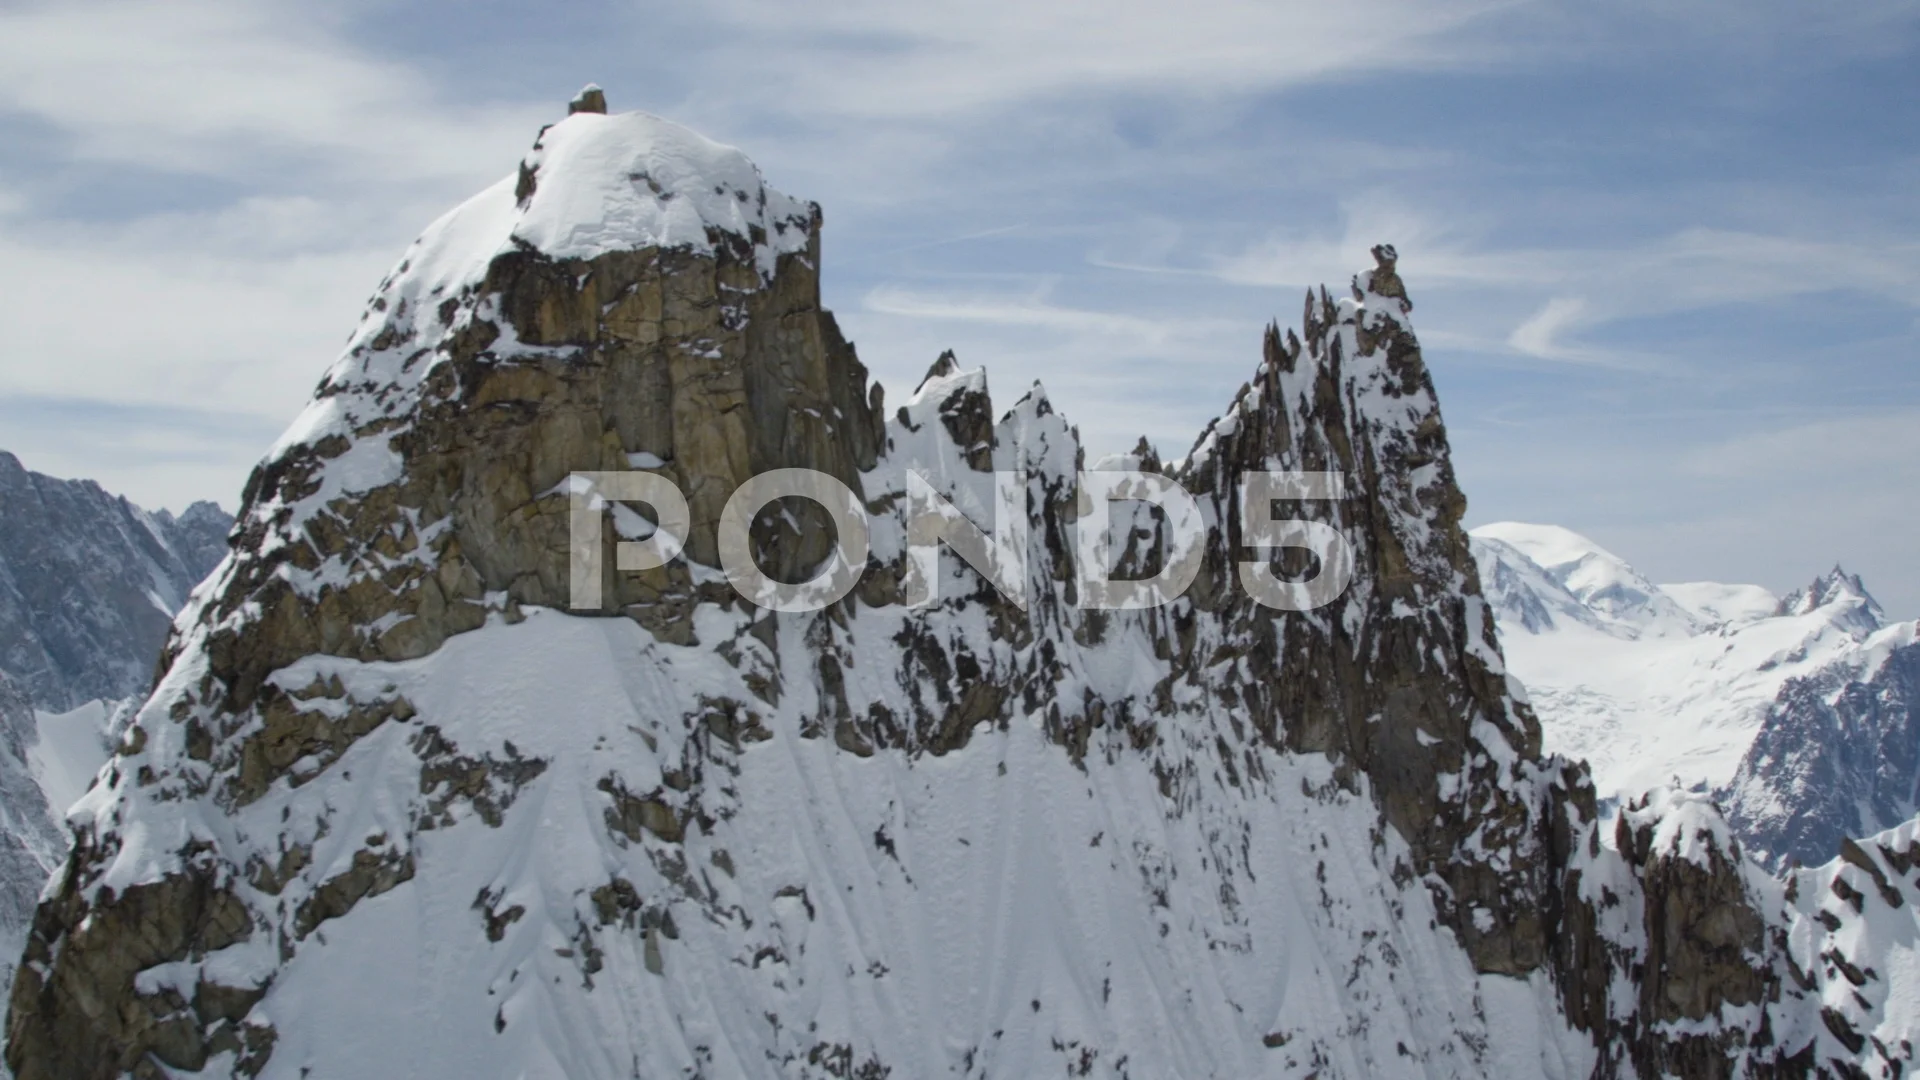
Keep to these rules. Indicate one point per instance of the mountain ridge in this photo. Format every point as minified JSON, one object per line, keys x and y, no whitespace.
{"x":679,"y":834}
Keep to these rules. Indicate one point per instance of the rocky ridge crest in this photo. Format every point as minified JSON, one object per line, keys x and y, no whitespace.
{"x":292,"y":776}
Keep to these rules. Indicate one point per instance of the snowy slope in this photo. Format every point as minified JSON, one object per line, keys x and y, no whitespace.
{"x":995,"y":912}
{"x":70,"y":747}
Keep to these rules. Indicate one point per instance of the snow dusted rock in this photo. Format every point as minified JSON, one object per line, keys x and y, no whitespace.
{"x":1852,"y":953}
{"x":89,"y":583}
{"x":1839,"y":592}
{"x":1677,"y":949}
{"x":590,"y":99}
{"x":392,"y":810}
{"x":32,"y":842}
{"x":1838,"y":754}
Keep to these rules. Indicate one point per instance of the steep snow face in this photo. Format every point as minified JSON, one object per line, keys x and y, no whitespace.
{"x":998,"y":911}
{"x":1652,"y":684}
{"x":69,"y":748}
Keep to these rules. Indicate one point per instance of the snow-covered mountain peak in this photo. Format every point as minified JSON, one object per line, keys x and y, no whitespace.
{"x":1844,"y":598}
{"x":1524,"y":594}
{"x":1620,"y":599}
{"x":762,"y":835}
{"x":595,"y":183}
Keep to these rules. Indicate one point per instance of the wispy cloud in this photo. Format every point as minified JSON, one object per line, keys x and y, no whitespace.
{"x":217,"y":87}
{"x":1575,"y":291}
{"x":1540,"y":335}
{"x":877,"y":58}
{"x":1130,"y":334}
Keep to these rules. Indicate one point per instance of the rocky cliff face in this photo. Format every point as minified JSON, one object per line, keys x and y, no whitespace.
{"x":1838,"y":755}
{"x":32,"y":842}
{"x":89,"y":583}
{"x":392,"y":810}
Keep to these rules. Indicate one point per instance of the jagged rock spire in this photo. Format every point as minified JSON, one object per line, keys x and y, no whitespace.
{"x":1834,"y":586}
{"x":946,"y":364}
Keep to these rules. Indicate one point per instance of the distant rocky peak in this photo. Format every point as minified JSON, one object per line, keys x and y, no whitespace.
{"x":1853,"y":606}
{"x":89,"y":582}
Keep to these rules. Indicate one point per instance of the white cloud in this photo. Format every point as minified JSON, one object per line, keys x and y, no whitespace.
{"x":229,"y":304}
{"x":1542,"y":334}
{"x":885,"y":58}
{"x":1113,"y":331}
{"x":216,"y":87}
{"x":177,"y":328}
{"x":1862,"y":450}
{"x":1569,"y":292}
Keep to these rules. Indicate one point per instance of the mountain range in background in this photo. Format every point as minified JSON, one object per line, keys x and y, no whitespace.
{"x":89,"y":583}
{"x":1795,"y":712}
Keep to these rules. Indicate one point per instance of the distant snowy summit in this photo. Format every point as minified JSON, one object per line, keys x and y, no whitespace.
{"x":1795,"y":709}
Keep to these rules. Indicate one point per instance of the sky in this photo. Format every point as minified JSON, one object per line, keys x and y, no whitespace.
{"x":1665,"y":257}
